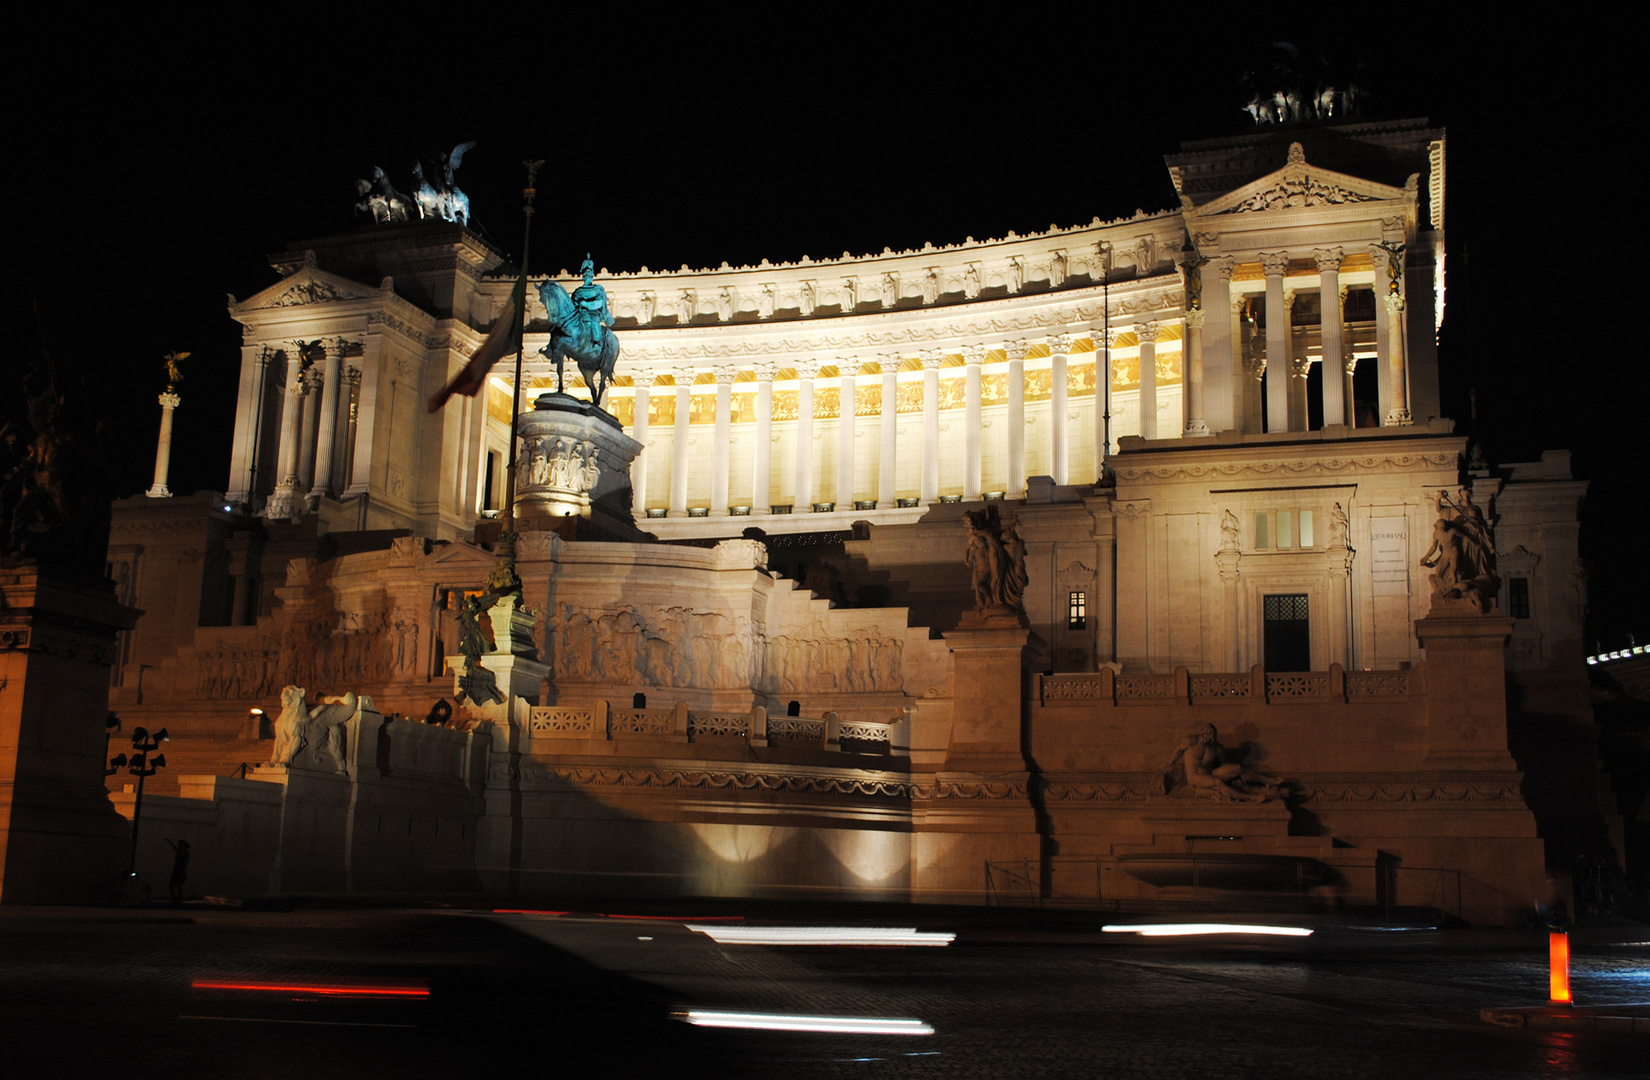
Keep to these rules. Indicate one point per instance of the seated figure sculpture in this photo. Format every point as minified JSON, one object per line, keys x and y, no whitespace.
{"x":1206,"y":769}
{"x":318,"y":730}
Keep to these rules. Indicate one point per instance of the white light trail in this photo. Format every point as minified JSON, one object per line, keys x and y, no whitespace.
{"x":822,"y":935}
{"x":1186,"y":929}
{"x":840,"y":1025}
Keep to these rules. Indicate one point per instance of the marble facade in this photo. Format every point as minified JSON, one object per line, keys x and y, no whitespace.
{"x":1218,"y":426}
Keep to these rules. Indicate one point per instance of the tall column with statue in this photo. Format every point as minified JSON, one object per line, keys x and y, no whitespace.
{"x":169,"y":400}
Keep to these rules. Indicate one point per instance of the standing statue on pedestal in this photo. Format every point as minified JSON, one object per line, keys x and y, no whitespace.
{"x":174,"y":370}
{"x":580,"y":327}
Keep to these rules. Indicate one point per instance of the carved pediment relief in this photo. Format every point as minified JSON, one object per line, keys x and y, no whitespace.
{"x":307,"y":286}
{"x":1299,"y":185}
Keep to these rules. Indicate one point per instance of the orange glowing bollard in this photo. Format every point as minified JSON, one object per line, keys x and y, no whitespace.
{"x":1558,"y":954}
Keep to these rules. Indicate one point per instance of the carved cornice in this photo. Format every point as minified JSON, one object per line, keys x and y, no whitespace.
{"x":1505,"y":791}
{"x":1297,"y":467}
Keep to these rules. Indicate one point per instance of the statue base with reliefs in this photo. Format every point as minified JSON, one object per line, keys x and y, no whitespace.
{"x":573,"y":474}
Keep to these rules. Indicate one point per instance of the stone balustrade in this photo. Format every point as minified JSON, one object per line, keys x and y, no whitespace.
{"x":1256,"y":686}
{"x":679,"y":723}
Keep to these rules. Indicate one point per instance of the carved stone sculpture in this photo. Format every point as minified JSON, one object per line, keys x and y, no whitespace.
{"x":1205,"y":768}
{"x":318,"y":731}
{"x":995,"y":556}
{"x":1228,"y":531}
{"x":1462,"y":555}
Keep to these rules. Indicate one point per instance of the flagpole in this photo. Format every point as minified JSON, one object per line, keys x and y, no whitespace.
{"x":503,"y":579}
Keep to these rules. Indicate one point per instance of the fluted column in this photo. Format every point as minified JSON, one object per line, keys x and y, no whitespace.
{"x":638,"y":431}
{"x":1277,"y":341}
{"x":338,"y":473}
{"x":888,"y":430}
{"x":1147,"y":334}
{"x":1301,"y":368}
{"x":1015,"y":437}
{"x":1104,"y":340}
{"x":1398,"y":373}
{"x":306,"y":439}
{"x":1059,"y":439}
{"x":1350,"y":364}
{"x":931,"y":361}
{"x":163,"y":447}
{"x":349,"y":404}
{"x":847,"y":367}
{"x":283,"y":502}
{"x":326,"y":446}
{"x":1195,"y":424}
{"x":1220,"y":365}
{"x":680,"y":459}
{"x":1241,"y":385}
{"x":805,"y":372}
{"x":1329,"y":333}
{"x":762,"y":458}
{"x":1297,"y":381}
{"x":973,"y":357}
{"x":725,"y":374}
{"x":1254,"y":378}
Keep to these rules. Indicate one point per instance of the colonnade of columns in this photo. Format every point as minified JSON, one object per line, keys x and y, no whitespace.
{"x":317,"y":430}
{"x":1280,"y":353}
{"x":883,"y":489}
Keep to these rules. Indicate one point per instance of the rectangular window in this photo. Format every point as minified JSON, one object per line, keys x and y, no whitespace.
{"x":1306,"y":528}
{"x":1286,"y":529}
{"x":1287,"y":633}
{"x":1518,"y":597}
{"x":1263,"y":530}
{"x":1077,"y":612}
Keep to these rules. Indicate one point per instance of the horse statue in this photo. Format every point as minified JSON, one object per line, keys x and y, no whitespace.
{"x":580,"y":327}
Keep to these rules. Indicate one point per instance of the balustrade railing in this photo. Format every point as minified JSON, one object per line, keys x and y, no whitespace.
{"x":600,"y":719}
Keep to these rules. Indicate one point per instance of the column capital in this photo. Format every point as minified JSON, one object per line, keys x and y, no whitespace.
{"x":352,"y":375}
{"x":1289,"y":299}
{"x":889,"y":362}
{"x":847,"y":367}
{"x":1378,"y":254}
{"x":766,"y":370}
{"x":1224,"y":265}
{"x":807,"y":368}
{"x":684,"y":376}
{"x":1147,"y":332}
{"x":643,"y":378}
{"x":1303,"y":367}
{"x":933,"y":359}
{"x":1238,"y":300}
{"x":1060,"y":344}
{"x":1104,"y":338}
{"x":1394,"y":302}
{"x":1350,"y":362}
{"x":170,"y":400}
{"x":1255,"y":367}
{"x":1274,"y":264}
{"x":1328,"y":259}
{"x":726,"y":373}
{"x":974,"y":355}
{"x":312,"y":379}
{"x":1194,"y":319}
{"x":1015,"y":350}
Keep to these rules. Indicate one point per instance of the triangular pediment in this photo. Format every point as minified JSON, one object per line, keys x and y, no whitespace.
{"x":462,"y":555}
{"x":1299,"y":185}
{"x":304,"y":286}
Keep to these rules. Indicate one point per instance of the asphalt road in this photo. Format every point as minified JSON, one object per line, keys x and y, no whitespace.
{"x":325,"y":992}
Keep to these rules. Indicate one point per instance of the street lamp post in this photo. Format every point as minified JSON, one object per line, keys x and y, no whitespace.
{"x":142,"y":763}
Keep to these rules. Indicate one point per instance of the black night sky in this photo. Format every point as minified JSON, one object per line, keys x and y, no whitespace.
{"x":153,"y":167}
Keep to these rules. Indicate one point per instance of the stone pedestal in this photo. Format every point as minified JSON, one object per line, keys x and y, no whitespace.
{"x":978,"y":810}
{"x":61,"y":841}
{"x":574,"y":470}
{"x":1466,"y":688}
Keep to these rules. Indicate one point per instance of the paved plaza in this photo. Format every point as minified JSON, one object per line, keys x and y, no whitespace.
{"x":326,"y":991}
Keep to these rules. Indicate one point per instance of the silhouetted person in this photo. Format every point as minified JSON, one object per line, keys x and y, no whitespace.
{"x":180,"y":868}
